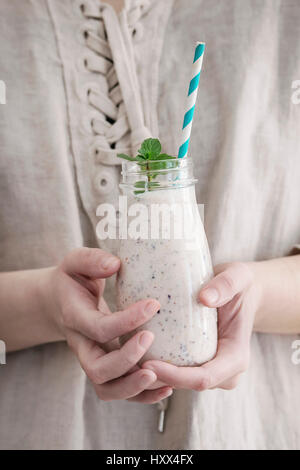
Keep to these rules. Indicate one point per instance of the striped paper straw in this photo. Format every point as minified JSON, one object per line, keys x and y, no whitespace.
{"x":191,"y":100}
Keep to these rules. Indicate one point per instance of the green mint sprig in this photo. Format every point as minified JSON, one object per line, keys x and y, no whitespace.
{"x":149,"y":158}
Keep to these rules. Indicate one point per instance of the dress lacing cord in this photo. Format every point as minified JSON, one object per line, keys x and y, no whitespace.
{"x":118,"y":122}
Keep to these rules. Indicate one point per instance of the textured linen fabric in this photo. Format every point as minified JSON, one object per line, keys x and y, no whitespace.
{"x":67,"y":68}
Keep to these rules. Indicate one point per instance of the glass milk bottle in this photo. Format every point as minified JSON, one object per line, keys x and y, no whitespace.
{"x":164,"y":255}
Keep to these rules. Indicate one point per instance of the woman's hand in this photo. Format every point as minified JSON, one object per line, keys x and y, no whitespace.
{"x":237,"y":298}
{"x":92,"y":331}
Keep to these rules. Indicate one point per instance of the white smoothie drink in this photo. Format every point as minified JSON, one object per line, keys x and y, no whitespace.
{"x":171,"y":270}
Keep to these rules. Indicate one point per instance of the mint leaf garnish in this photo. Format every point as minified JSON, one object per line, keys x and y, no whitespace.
{"x":150,"y":149}
{"x":140,"y":158}
{"x":149,"y":157}
{"x":126,"y":157}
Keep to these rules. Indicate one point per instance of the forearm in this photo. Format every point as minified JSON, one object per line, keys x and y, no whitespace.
{"x":25,"y":318}
{"x":278,"y":282}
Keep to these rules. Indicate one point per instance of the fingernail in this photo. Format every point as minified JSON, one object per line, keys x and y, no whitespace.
{"x":110,"y":262}
{"x":170,"y":392}
{"x":145,"y":340}
{"x":210,"y":294}
{"x":146,"y":378}
{"x":152,"y":307}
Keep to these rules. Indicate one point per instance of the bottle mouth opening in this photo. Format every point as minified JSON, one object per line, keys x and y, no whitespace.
{"x":156,"y":175}
{"x":159,"y":166}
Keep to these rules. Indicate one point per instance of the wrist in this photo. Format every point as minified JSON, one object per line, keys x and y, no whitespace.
{"x":257,"y":291}
{"x":279,"y":305}
{"x":48,"y":304}
{"x":275,"y":283}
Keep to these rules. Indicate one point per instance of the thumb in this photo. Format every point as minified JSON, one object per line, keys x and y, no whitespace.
{"x":91,"y":262}
{"x":222,"y":288}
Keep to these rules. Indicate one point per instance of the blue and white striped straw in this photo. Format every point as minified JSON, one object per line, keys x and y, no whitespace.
{"x":191,"y":100}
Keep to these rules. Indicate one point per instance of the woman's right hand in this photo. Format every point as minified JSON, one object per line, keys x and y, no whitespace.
{"x":92,"y":331}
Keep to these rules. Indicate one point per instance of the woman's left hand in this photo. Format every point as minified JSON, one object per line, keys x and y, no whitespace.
{"x":236,"y":295}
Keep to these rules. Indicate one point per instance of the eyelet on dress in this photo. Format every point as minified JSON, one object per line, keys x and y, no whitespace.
{"x":88,"y":8}
{"x":95,"y":149}
{"x":103,"y":182}
{"x":137,"y":32}
{"x":84,"y":90}
{"x":82,"y":65}
{"x":80,"y":7}
{"x":100,"y":152}
{"x":83,"y":32}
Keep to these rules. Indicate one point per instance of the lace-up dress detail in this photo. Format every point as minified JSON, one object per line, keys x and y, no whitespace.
{"x":116,"y":116}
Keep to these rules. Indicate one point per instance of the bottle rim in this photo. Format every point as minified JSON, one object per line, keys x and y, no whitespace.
{"x":178,"y":163}
{"x":178,"y":174}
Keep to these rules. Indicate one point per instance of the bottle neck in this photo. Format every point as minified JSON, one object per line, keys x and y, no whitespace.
{"x":156,"y":175}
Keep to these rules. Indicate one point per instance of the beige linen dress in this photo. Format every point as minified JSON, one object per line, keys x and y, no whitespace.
{"x":83,"y":83}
